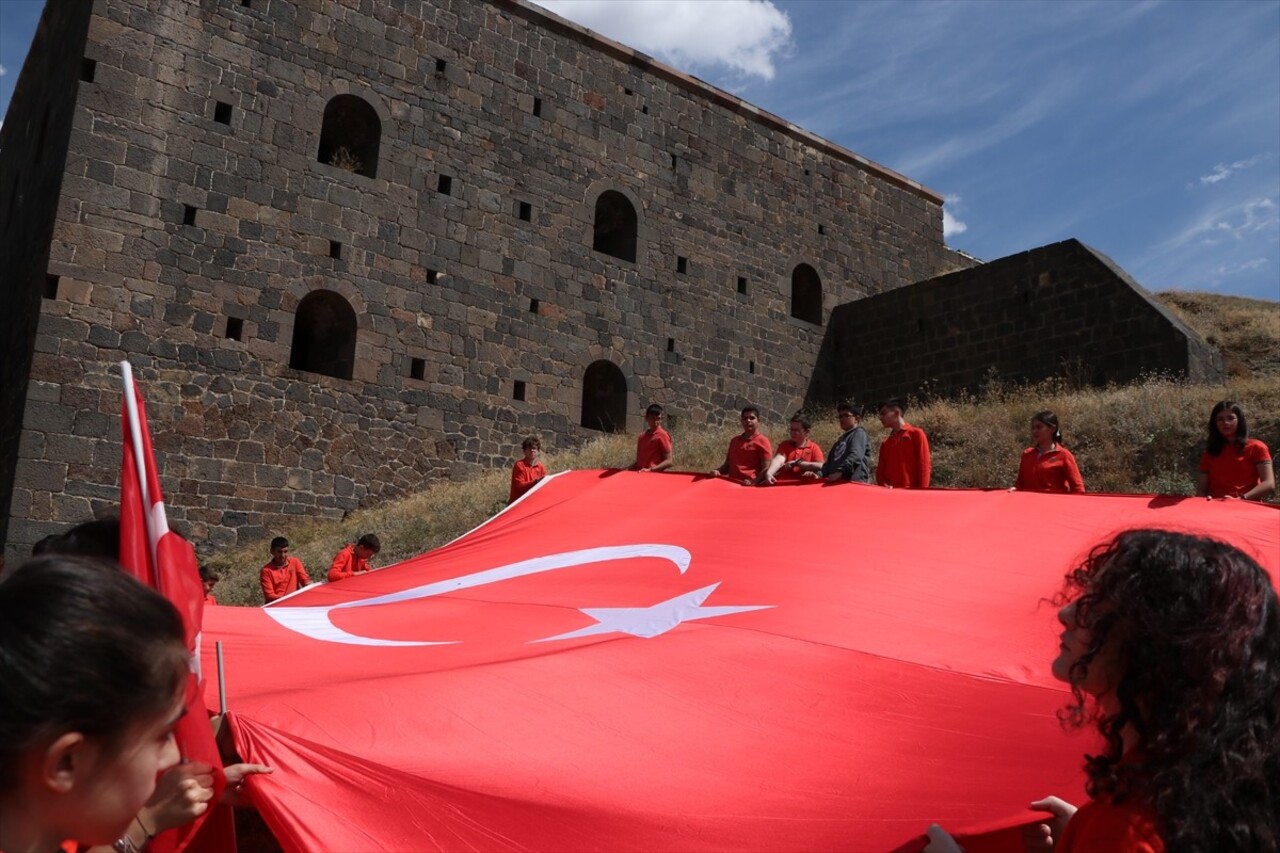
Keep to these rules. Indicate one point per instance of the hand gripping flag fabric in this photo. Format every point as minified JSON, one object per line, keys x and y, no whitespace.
{"x":638,"y":662}
{"x":161,"y":559}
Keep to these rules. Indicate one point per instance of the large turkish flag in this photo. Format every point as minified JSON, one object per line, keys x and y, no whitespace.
{"x":626,"y":661}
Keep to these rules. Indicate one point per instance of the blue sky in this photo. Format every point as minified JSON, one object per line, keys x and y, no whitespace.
{"x":1149,"y":130}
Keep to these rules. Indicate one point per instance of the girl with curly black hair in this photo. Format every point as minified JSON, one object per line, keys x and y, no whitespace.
{"x":1171,"y":647}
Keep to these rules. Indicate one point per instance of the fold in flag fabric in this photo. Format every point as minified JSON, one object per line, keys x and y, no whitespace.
{"x":624,"y":661}
{"x":165,"y":561}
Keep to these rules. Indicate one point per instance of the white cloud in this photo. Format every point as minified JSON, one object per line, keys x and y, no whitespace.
{"x":951,"y":225}
{"x":1247,"y":266}
{"x":1235,"y":221}
{"x":3,"y":71}
{"x":745,"y":36}
{"x":1223,"y":171}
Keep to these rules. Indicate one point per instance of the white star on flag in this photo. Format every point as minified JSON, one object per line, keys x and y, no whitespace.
{"x":654,"y":620}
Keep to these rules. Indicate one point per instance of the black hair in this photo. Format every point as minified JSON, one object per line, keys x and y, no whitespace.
{"x":654,"y":409}
{"x":84,"y":647}
{"x":1216,"y":441}
{"x":850,"y":407}
{"x":371,"y":542}
{"x":531,"y":441}
{"x":279,"y":542}
{"x":1049,"y":419}
{"x":799,"y":418}
{"x":1196,"y":637}
{"x":100,"y":538}
{"x":750,"y":408}
{"x":893,"y":403}
{"x":208,"y":574}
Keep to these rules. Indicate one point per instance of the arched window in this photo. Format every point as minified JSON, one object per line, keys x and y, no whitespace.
{"x":806,"y":294}
{"x":350,"y":136}
{"x":615,"y":232}
{"x":604,"y":397}
{"x":324,"y":335}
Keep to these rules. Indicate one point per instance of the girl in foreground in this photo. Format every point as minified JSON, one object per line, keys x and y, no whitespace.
{"x":92,"y":666}
{"x":1171,"y":647}
{"x":1234,"y":465}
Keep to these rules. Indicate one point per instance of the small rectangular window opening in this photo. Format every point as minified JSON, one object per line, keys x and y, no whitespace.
{"x":51,"y":286}
{"x":675,"y":161}
{"x":822,"y":229}
{"x":335,"y":250}
{"x":445,"y":185}
{"x":235,"y":328}
{"x":627,"y":91}
{"x":671,"y":344}
{"x":417,"y":368}
{"x":88,"y":68}
{"x":751,"y":366}
{"x":440,"y":66}
{"x":645,"y":109}
{"x":188,"y":215}
{"x":806,"y":173}
{"x":742,"y":284}
{"x":526,"y":211}
{"x":533,"y":306}
{"x":517,"y":391}
{"x":682,"y":264}
{"x":222,"y":112}
{"x":432,"y":276}
{"x":246,"y":3}
{"x":537,"y":107}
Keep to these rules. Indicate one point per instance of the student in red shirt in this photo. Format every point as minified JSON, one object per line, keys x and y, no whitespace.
{"x":210,"y":579}
{"x":283,"y":574}
{"x":1171,"y":648}
{"x":1234,"y":465}
{"x":653,"y":447}
{"x":788,"y":465}
{"x":354,"y":558}
{"x":749,"y":453}
{"x":904,"y":461}
{"x":1047,"y":466}
{"x":526,"y":473}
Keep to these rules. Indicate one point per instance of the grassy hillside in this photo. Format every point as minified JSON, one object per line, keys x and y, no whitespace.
{"x":1139,"y":438}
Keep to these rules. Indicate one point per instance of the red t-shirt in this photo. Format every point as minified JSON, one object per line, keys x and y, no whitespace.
{"x":1234,"y":471}
{"x":749,"y":456}
{"x":209,"y":599}
{"x":904,"y":461}
{"x":652,"y":448}
{"x":1101,"y":826}
{"x":792,"y":452}
{"x":524,"y":476}
{"x":347,"y":564}
{"x":1055,"y":471}
{"x":278,"y":582}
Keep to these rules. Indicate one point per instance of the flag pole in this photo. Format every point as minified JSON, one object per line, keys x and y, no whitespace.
{"x":135,"y":438}
{"x":222,"y":681}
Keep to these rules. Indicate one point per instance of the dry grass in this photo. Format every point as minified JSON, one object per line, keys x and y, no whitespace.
{"x":1247,"y":331}
{"x":1143,"y":438}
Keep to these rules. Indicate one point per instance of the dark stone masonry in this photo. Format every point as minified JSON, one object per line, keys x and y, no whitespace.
{"x":1063,"y":310}
{"x":354,"y":247}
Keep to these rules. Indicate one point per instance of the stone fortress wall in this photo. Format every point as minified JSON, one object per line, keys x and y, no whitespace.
{"x":1062,"y":310}
{"x":528,"y":229}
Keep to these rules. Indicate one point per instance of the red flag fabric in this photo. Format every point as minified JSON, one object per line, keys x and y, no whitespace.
{"x":165,"y":561}
{"x":629,"y":661}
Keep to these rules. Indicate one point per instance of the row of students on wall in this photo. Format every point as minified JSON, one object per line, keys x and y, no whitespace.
{"x":1233,"y":464}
